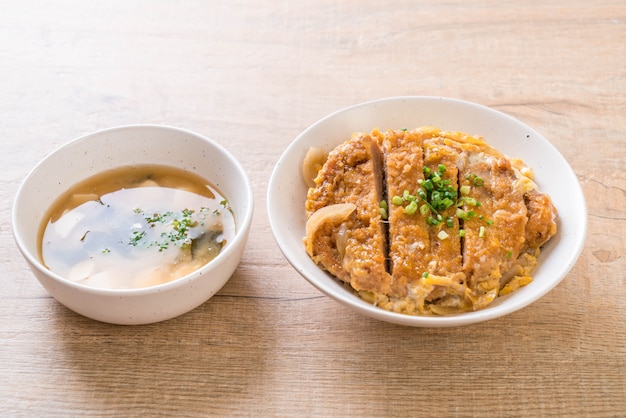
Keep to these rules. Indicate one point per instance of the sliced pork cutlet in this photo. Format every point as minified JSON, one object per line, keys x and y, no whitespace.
{"x":445,"y":270}
{"x":425,"y":262}
{"x":493,"y":219}
{"x":541,"y":224}
{"x":441,"y":161}
{"x":442,"y":258}
{"x":352,"y":248}
{"x":409,"y":241}
{"x":540,"y":227}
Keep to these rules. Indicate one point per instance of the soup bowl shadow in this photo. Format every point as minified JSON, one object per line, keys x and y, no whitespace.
{"x":123,"y":146}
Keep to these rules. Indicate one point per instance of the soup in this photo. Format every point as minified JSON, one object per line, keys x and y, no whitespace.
{"x":135,"y":227}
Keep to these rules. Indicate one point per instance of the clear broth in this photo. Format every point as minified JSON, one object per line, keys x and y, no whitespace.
{"x":135,"y":227}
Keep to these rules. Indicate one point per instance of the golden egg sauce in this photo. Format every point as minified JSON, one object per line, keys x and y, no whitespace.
{"x":135,"y":227}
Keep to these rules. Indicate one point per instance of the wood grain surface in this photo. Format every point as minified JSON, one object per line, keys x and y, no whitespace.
{"x":252,"y":75}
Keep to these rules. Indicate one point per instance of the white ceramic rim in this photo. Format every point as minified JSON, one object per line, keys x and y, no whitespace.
{"x":349,"y":299}
{"x":242,"y":224}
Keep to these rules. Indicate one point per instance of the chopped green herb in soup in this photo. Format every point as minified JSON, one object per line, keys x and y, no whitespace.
{"x":135,"y":227}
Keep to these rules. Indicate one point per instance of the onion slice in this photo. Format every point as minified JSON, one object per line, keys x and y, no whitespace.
{"x":331,"y":214}
{"x":313,"y":162}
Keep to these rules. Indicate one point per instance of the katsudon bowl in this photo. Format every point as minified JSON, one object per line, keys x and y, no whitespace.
{"x":133,"y":145}
{"x":287,"y":192}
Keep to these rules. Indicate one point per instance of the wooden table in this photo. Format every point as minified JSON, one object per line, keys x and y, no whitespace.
{"x":253,"y":75}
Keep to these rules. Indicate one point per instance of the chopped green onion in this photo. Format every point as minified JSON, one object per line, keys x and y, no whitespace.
{"x":137,"y":236}
{"x":446,"y":203}
{"x":442,"y":235}
{"x":461,"y":233}
{"x":411,"y":208}
{"x":461,"y":214}
{"x":425,"y":274}
{"x":509,"y":254}
{"x":436,"y":194}
{"x":489,"y":222}
{"x":481,"y":232}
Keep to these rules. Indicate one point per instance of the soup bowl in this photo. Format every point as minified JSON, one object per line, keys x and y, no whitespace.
{"x":118,"y":147}
{"x":287,"y":193}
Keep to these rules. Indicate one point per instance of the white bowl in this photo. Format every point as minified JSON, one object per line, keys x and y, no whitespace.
{"x":287,"y":194}
{"x":126,"y":145}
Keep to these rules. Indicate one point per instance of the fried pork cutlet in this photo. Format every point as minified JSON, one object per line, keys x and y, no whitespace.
{"x":348,"y":238}
{"x":426,"y":221}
